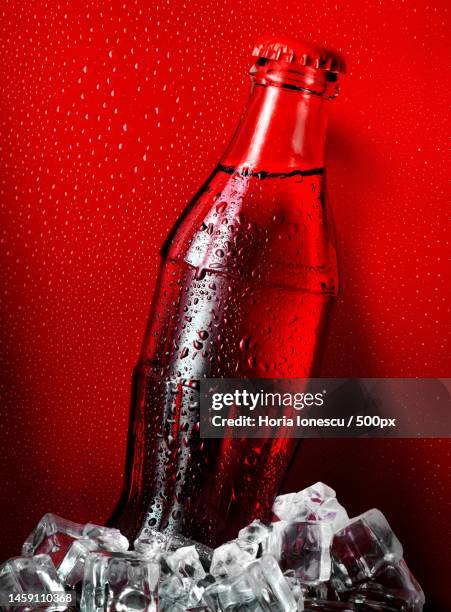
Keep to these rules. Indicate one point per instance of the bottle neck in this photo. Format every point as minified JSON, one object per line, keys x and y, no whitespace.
{"x":282,"y":129}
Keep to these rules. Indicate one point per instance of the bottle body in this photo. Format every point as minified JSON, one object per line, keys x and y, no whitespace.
{"x":243,"y":291}
{"x":247,"y":277}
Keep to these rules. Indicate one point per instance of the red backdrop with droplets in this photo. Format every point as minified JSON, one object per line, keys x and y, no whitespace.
{"x":111,"y":116}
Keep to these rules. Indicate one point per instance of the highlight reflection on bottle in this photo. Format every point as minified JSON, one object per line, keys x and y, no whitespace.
{"x":247,"y":275}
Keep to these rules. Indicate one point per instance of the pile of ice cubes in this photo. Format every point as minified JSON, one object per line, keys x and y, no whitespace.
{"x":313,"y":557}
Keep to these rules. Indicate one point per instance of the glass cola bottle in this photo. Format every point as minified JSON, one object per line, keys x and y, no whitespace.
{"x":247,"y":277}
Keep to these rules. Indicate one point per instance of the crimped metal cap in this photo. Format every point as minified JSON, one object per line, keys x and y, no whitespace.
{"x":300,"y":53}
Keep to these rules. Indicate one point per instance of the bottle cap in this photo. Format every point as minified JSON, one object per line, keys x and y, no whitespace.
{"x":301,"y":54}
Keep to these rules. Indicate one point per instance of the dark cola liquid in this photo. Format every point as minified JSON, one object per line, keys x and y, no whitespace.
{"x":243,"y":292}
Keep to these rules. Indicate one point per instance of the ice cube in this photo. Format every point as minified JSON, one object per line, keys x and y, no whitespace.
{"x":256,"y":532}
{"x":399,"y":580}
{"x":211,"y":595}
{"x":299,"y":506}
{"x":317,"y":502}
{"x":303,"y":547}
{"x":290,"y":507}
{"x":394,"y":586}
{"x":308,"y":591}
{"x":52,"y":536}
{"x":235,"y":595}
{"x":380,"y":602}
{"x":172,"y":592}
{"x":273,"y":542}
{"x":261,"y":587}
{"x":175,"y":594}
{"x":251,"y":548}
{"x":201,"y":595}
{"x":185,"y":563}
{"x":318,"y":493}
{"x":152,"y":543}
{"x":295,"y":585}
{"x":228,"y":560}
{"x":71,"y":568}
{"x":361,"y":549}
{"x":25,"y":575}
{"x":250,"y":537}
{"x":195,"y":599}
{"x":107,"y":537}
{"x":333,"y":512}
{"x":317,"y":590}
{"x":269,"y":585}
{"x":205,"y":553}
{"x":119,"y":581}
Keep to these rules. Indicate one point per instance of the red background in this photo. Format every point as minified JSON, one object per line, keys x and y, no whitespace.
{"x":111,"y":115}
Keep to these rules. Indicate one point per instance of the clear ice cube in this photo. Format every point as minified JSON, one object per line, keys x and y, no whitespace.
{"x":254,"y":533}
{"x":317,"y":590}
{"x":251,"y":548}
{"x":295,"y":585}
{"x":229,"y":560}
{"x":25,"y":575}
{"x":298,"y":506}
{"x":394,"y":586}
{"x":203,"y":595}
{"x":119,"y":581}
{"x":318,"y":493}
{"x":269,"y":585}
{"x":250,"y":537}
{"x":172,"y":593}
{"x":175,"y":594}
{"x":307,"y":590}
{"x":185,"y":563}
{"x":205,"y":553}
{"x":234,"y":595}
{"x":290,"y":507}
{"x":152,"y":543}
{"x":71,"y":568}
{"x":261,"y":587}
{"x":303,"y":547}
{"x":361,"y":549}
{"x":333,"y":512}
{"x":52,"y":536}
{"x":107,"y":537}
{"x":317,"y":502}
